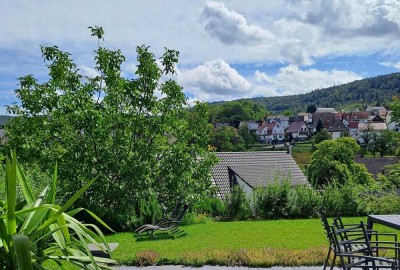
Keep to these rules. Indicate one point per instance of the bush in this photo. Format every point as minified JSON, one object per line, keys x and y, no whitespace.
{"x":237,"y":206}
{"x":210,"y":206}
{"x":272,"y":201}
{"x":304,"y":202}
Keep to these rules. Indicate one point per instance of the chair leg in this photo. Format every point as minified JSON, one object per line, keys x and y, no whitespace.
{"x":333,"y":261}
{"x":327,"y":258}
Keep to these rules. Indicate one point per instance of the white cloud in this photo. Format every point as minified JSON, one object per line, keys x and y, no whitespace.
{"x":89,"y":72}
{"x":291,"y":80}
{"x":231,"y":27}
{"x":214,"y":79}
{"x":391,"y":64}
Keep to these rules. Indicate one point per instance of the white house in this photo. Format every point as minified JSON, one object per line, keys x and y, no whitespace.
{"x":298,"y":130}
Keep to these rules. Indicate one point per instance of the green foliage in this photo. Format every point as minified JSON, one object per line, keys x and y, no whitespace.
{"x":322,"y":135}
{"x":227,"y":139}
{"x":210,"y":206}
{"x":344,"y":199}
{"x":391,"y":178}
{"x":249,"y":138}
{"x":34,"y":231}
{"x":385,"y":142}
{"x":334,"y":162}
{"x":137,"y":132}
{"x":288,"y":113}
{"x":233,"y":112}
{"x":237,"y":206}
{"x":271,"y":202}
{"x":311,"y":108}
{"x":304,"y":202}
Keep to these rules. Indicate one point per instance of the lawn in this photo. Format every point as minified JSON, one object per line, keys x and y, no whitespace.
{"x":252,"y":243}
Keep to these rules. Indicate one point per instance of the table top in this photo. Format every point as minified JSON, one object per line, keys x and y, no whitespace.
{"x":392,"y":221}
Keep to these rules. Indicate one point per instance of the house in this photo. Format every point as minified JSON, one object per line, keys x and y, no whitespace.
{"x":391,"y":125}
{"x":325,"y":110}
{"x":284,"y":120}
{"x":251,"y":170}
{"x":376,"y":119}
{"x":369,"y":128}
{"x":251,"y":125}
{"x":355,"y":117}
{"x":353,"y":129}
{"x":297,"y":130}
{"x":271,"y":131}
{"x":336,"y":128}
{"x":326,"y":119}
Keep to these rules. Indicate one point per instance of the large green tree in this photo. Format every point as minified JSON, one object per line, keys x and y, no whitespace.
{"x":227,"y":139}
{"x":333,"y":161}
{"x":138,"y":133}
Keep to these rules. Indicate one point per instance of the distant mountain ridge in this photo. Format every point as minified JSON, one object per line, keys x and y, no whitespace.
{"x":358,"y":94}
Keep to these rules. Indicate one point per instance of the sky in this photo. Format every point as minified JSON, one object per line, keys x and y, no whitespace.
{"x":228,"y":49}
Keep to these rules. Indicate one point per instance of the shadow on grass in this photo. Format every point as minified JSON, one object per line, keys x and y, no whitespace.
{"x":156,"y":237}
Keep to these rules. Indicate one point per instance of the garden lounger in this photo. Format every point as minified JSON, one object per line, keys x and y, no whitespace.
{"x":171,"y":226}
{"x":172,"y":216}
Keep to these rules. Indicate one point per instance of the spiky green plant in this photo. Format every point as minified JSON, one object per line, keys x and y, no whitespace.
{"x":37,"y":230}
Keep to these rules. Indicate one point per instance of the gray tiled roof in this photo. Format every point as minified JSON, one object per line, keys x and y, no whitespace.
{"x":256,"y":168}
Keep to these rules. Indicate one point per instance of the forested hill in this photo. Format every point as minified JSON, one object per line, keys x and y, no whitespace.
{"x":358,"y":94}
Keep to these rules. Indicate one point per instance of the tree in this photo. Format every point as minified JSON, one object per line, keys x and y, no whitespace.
{"x":248,"y":137}
{"x":319,"y":126}
{"x":226,"y":139}
{"x":311,"y":108}
{"x":322,"y":136}
{"x":333,"y":161}
{"x":385,"y":143}
{"x":138,"y":133}
{"x":287,"y":113}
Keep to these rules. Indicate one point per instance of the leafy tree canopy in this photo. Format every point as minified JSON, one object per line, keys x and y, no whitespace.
{"x":322,"y":135}
{"x":137,"y":133}
{"x":233,"y":112}
{"x":333,"y":161}
{"x":227,"y":139}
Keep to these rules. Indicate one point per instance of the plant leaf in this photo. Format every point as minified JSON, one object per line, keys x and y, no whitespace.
{"x":26,"y":190}
{"x":22,"y":251}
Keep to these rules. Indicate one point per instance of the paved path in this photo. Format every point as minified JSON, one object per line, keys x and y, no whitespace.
{"x":211,"y":267}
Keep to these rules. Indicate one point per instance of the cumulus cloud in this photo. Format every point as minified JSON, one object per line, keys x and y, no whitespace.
{"x":231,"y":27}
{"x":351,"y":18}
{"x":214,"y":79}
{"x":291,"y":80}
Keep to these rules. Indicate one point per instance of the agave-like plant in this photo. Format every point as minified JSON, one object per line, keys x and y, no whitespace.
{"x":35,"y":231}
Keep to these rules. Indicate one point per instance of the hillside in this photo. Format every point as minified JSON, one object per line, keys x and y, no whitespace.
{"x":357,"y":94}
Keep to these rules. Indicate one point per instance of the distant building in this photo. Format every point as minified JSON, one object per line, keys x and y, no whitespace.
{"x":298,"y":130}
{"x":325,"y":110}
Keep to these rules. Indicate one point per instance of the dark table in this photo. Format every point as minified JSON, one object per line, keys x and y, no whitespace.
{"x":392,"y":221}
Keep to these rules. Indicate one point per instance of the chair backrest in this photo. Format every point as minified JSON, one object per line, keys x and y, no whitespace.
{"x":327,"y":228}
{"x":175,"y":212}
{"x":182,"y":213}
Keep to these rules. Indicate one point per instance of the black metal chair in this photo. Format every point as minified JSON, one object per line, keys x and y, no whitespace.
{"x":362,"y":257}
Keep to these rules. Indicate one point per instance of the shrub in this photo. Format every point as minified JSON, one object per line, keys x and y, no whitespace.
{"x":210,"y":206}
{"x":272,"y":201}
{"x":237,"y":206}
{"x":342,"y":199}
{"x":304,"y":202}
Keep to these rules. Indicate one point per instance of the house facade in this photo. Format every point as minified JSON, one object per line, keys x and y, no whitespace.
{"x":269,"y":132}
{"x":297,"y":130}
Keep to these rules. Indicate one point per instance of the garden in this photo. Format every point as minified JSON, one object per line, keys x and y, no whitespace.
{"x":89,"y":159}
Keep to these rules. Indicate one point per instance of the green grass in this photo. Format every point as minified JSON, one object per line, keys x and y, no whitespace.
{"x":252,"y":243}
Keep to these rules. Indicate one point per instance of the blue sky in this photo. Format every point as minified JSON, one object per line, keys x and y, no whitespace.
{"x":228,"y":49}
